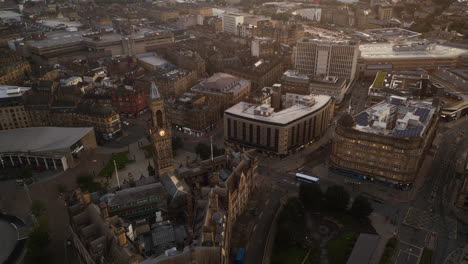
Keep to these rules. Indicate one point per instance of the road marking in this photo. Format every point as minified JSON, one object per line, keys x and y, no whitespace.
{"x":267,"y":201}
{"x":260,"y":216}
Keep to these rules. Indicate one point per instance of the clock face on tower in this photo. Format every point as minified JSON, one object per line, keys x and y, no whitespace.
{"x":162,"y":132}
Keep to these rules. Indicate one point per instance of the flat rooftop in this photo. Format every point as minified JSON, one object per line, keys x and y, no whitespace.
{"x":281,"y":117}
{"x":10,"y":91}
{"x":379,"y":51}
{"x":36,"y":139}
{"x":58,"y":38}
{"x":136,"y":194}
{"x":396,"y":117}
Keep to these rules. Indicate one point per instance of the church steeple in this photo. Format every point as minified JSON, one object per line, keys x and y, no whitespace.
{"x":160,"y":132}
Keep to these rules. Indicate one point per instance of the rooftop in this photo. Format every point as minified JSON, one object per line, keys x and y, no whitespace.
{"x":282,"y":117}
{"x":396,"y":117}
{"x":136,"y":194}
{"x":387,"y":51}
{"x":10,"y":91}
{"x":35,"y":139}
{"x":221,"y":83}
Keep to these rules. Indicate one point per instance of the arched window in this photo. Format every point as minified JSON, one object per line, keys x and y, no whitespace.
{"x":159,"y":119}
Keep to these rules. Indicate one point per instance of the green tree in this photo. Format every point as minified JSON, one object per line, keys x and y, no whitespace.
{"x":38,"y":240}
{"x":86,"y":183}
{"x":37,"y":208}
{"x":177,"y":143}
{"x":311,"y":195}
{"x":204,"y":150}
{"x":24,"y":173}
{"x":336,"y":198}
{"x":290,"y":224}
{"x":361,"y":207}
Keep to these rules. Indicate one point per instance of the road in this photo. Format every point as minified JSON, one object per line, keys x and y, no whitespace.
{"x":256,"y":244}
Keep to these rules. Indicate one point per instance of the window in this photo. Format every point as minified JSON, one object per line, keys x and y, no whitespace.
{"x":243,"y":132}
{"x":268,"y":137}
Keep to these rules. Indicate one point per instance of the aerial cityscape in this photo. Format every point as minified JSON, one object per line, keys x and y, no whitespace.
{"x":234,"y":132}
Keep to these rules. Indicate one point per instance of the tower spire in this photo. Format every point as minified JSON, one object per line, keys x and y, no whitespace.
{"x":154,"y":93}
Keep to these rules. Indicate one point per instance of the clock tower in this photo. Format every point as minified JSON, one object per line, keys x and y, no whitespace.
{"x":160,"y":133}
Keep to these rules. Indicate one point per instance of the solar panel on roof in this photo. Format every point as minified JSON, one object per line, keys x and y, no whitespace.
{"x":423,"y":113}
{"x":362,"y":119}
{"x":409,"y":132}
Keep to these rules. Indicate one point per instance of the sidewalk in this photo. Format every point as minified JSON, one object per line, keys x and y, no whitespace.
{"x":377,"y":189}
{"x":298,"y":159}
{"x":385,"y":231}
{"x":137,"y":168}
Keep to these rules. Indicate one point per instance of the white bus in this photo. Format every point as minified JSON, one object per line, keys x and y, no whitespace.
{"x":306,"y":178}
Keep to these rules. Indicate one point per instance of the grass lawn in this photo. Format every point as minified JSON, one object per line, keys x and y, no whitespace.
{"x":148,"y":151}
{"x":389,"y":251}
{"x":349,"y":221}
{"x":340,"y":248}
{"x":293,"y":255}
{"x":121,"y":159}
{"x":426,"y":257}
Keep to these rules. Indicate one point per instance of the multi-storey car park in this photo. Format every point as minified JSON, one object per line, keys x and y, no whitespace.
{"x":413,"y":55}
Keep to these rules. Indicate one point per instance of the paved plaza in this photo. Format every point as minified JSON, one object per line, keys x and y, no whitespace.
{"x":8,"y":236}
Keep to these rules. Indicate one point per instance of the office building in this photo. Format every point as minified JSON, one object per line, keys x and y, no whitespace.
{"x":294,"y":82}
{"x":329,"y":85}
{"x":386,"y":142}
{"x":385,"y":12}
{"x":231,"y":21}
{"x":327,"y":58}
{"x":281,"y":127}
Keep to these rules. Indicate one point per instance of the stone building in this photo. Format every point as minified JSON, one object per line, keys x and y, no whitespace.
{"x":98,"y":237}
{"x":138,"y":203}
{"x":223,"y":88}
{"x":262,"y":73}
{"x":14,"y":73}
{"x":130,"y":100}
{"x":12,"y":111}
{"x":280,"y":127}
{"x":386,"y":142}
{"x":193,"y":114}
{"x":294,"y":82}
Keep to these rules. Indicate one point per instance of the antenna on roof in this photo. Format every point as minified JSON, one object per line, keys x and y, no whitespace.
{"x":349,"y":107}
{"x":211,"y":145}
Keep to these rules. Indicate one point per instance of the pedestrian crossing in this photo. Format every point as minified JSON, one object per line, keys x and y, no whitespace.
{"x":292,"y":182}
{"x":431,"y":222}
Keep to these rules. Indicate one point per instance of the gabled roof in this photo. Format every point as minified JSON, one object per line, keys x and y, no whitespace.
{"x":173,"y":186}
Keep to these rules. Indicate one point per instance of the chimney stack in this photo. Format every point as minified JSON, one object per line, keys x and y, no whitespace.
{"x":86,"y":198}
{"x":104,"y":210}
{"x":121,"y":237}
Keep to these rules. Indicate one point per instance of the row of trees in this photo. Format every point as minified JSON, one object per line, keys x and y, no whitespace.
{"x":204,"y":151}
{"x":38,"y":240}
{"x":335,"y":198}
